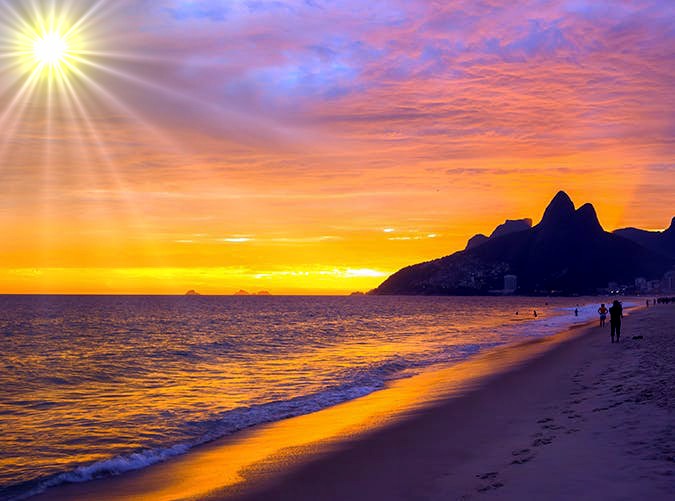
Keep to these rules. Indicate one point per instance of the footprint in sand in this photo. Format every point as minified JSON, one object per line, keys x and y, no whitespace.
{"x":491,"y":475}
{"x":522,"y":456}
{"x":495,"y":485}
{"x":542,"y":441}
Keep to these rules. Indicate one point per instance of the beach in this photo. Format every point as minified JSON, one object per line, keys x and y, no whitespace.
{"x":570,"y":416}
{"x":317,"y":251}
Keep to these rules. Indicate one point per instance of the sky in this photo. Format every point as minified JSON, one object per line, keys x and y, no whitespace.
{"x":315,"y":147}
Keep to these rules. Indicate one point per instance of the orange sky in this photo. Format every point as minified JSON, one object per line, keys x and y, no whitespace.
{"x":212,"y":148}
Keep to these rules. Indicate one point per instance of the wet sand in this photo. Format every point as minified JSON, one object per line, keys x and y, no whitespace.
{"x":567,"y":417}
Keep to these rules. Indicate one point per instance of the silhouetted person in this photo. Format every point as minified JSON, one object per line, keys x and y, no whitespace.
{"x":647,"y":303}
{"x":576,"y":312}
{"x":535,"y":313}
{"x":615,"y":316}
{"x":602,"y":311}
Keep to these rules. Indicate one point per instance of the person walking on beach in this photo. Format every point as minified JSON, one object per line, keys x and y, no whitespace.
{"x":615,"y":316}
{"x":602,"y":311}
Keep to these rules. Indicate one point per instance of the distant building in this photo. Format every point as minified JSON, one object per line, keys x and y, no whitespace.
{"x":668,"y":282}
{"x":654,"y":286}
{"x":641,"y":284}
{"x":510,"y":283}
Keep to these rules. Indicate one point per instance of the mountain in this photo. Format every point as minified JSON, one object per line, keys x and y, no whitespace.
{"x":511,"y":226}
{"x":476,"y":240}
{"x":568,"y":252}
{"x":659,"y":241}
{"x":508,"y":227}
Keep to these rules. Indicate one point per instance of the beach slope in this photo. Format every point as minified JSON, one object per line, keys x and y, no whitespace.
{"x":587,"y":420}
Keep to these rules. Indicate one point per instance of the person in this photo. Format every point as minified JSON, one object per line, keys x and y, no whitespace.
{"x":647,"y":303}
{"x":615,"y":316}
{"x":576,"y":312}
{"x":535,"y":313}
{"x":602,"y":311}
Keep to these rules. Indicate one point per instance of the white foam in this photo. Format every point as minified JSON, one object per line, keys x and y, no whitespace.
{"x":109,"y":467}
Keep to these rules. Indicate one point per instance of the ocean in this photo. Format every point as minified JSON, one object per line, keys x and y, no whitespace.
{"x":92,"y":386}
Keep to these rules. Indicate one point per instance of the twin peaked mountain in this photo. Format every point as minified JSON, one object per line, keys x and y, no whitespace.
{"x":568,"y":252}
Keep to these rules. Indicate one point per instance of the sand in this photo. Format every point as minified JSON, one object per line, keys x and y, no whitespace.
{"x":572,"y":417}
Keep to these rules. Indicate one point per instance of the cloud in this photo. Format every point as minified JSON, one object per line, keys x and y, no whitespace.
{"x":300,"y":119}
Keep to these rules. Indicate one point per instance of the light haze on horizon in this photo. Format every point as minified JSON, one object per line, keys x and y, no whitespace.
{"x":315,"y":147}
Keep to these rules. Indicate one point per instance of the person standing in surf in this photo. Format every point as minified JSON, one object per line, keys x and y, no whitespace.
{"x":602,"y":311}
{"x":615,"y":316}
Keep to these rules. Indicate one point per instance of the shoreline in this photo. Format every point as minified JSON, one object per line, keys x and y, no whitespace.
{"x":276,"y":457}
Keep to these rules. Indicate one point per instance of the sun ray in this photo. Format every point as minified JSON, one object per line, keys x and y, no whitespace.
{"x":11,"y":78}
{"x":110,"y":97}
{"x":146,"y":84}
{"x":94,"y":10}
{"x":82,"y":115}
{"x":54,"y":64}
{"x":110,"y":55}
{"x":18,"y":18}
{"x":20,"y":99}
{"x":90,"y":135}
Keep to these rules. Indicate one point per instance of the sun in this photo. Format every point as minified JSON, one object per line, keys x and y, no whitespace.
{"x":50,"y":50}
{"x":49,"y":47}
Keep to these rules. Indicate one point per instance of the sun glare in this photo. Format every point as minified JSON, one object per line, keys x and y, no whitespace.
{"x":51,"y":49}
{"x":48,"y":46}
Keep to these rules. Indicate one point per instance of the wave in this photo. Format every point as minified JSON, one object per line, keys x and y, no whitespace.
{"x":225,"y":424}
{"x":362,"y":381}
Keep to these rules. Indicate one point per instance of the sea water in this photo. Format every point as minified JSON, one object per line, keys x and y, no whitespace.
{"x":92,"y":386}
